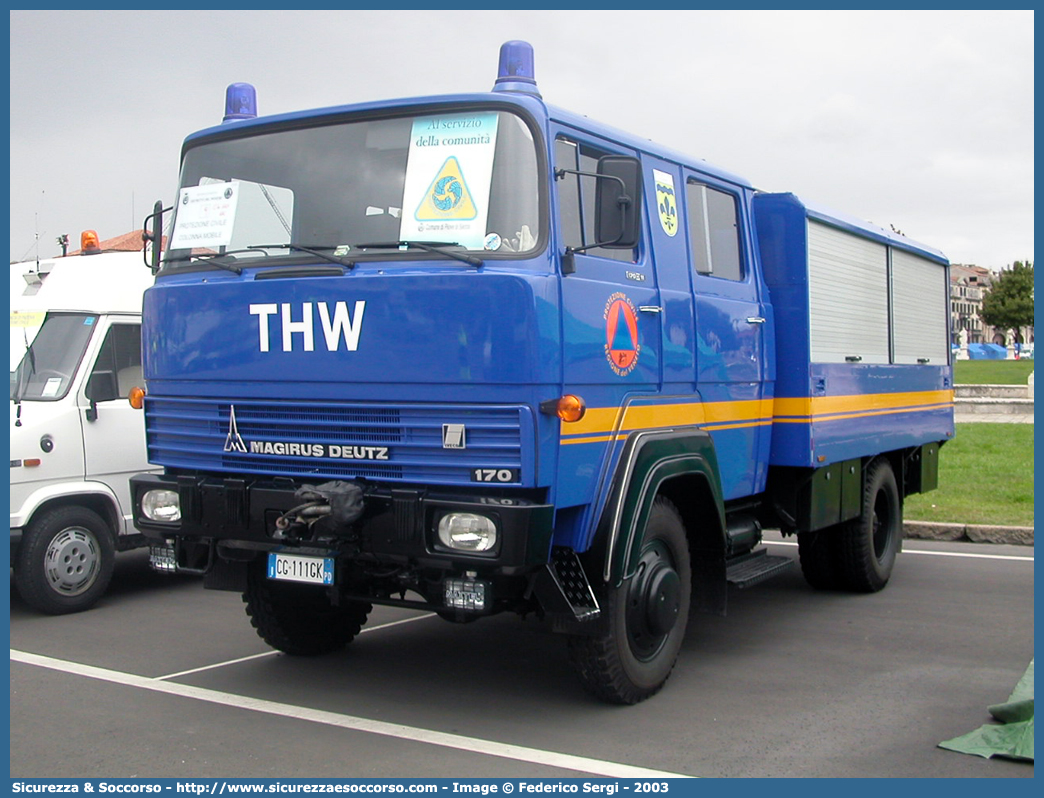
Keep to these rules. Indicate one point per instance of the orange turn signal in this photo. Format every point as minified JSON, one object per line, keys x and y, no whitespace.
{"x":136,"y":397}
{"x":570,"y":408}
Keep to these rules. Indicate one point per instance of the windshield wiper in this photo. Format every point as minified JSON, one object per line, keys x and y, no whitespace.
{"x":438,"y":247}
{"x":215,"y":257}
{"x":316,"y":250}
{"x":210,"y":257}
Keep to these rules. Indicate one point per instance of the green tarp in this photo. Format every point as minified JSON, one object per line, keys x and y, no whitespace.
{"x":1012,"y":737}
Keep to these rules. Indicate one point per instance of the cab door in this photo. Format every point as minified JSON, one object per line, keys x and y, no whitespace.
{"x":732,"y":322}
{"x":611,"y":340}
{"x":113,"y":431}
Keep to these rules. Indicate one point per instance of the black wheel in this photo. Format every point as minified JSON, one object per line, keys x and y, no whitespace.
{"x":643,"y":620}
{"x":65,"y":560}
{"x":868,"y":544}
{"x":820,"y":555}
{"x":299,"y":619}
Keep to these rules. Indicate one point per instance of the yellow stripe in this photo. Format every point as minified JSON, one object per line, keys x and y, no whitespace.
{"x":822,"y":407}
{"x":603,"y":424}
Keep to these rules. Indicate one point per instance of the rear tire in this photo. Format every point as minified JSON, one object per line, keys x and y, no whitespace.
{"x":299,"y":619}
{"x":644,"y":619}
{"x":868,"y":544}
{"x":820,"y":557}
{"x":65,"y":561}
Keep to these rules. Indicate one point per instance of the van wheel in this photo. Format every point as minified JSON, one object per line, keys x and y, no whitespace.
{"x":65,"y":561}
{"x":299,"y":619}
{"x":644,"y":619}
{"x":869,"y":543}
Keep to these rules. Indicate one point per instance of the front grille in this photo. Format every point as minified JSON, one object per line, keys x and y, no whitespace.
{"x":324,"y":440}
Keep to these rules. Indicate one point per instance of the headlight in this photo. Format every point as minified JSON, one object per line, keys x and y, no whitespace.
{"x":161,"y":505}
{"x":467,"y":532}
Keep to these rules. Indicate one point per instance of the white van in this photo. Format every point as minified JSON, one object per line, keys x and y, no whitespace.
{"x":75,"y":439}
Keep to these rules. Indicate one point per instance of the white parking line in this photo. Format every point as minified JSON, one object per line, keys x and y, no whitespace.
{"x":595,"y":767}
{"x":968,"y":555}
{"x":273,"y":653}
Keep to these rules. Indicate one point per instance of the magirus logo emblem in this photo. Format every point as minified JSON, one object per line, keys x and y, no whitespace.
{"x":234,"y":441}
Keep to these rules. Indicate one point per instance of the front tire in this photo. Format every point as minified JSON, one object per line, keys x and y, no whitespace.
{"x":65,"y":561}
{"x":300,"y":619}
{"x":644,"y":618}
{"x":869,"y":543}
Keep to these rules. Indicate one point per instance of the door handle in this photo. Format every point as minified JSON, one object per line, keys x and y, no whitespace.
{"x":755,"y":320}
{"x":650,"y":309}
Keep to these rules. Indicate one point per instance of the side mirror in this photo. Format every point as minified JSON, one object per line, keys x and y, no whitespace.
{"x":101,"y":387}
{"x":155,"y":236}
{"x":618,"y":202}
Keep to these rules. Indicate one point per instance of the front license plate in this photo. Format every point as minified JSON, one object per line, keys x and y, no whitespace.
{"x":466,"y":594}
{"x":297,"y":568}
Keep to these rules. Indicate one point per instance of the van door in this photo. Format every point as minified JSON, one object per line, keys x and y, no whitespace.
{"x":114,"y":442}
{"x":731,"y":324}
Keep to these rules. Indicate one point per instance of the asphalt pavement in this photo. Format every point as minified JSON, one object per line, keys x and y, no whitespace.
{"x":164,"y":679}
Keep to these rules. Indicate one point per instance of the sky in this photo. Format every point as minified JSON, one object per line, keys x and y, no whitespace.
{"x":917,"y":120}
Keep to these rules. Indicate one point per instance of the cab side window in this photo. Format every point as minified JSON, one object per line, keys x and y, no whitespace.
{"x":713,"y":231}
{"x":576,"y":199}
{"x":119,"y":361}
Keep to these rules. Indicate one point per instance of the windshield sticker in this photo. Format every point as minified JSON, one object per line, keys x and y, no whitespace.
{"x":27,"y":318}
{"x":666,"y":201}
{"x":448,"y":177}
{"x":52,"y":386}
{"x":205,"y":216}
{"x":492,"y":242}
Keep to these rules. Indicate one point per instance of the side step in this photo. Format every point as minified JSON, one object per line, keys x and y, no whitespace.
{"x":750,"y":569}
{"x":563,"y":590}
{"x":572,"y":581}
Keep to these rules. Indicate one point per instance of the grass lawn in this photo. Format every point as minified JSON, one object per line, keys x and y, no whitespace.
{"x":985,"y":477}
{"x":991,"y":372}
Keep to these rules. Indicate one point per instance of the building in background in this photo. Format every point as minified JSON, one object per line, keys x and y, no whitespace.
{"x":968,"y":284}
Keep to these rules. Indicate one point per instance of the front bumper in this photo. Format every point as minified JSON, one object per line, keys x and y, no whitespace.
{"x":398,"y":525}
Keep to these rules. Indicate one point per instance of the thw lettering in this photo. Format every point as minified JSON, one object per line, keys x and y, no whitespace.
{"x":297,"y":329}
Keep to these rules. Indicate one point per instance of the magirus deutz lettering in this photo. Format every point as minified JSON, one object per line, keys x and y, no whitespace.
{"x":337,"y":451}
{"x":234,"y":443}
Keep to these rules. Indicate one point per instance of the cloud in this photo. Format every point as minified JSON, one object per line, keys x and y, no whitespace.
{"x":921,"y":118}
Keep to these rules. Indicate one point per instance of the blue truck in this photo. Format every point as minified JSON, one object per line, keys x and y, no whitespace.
{"x":475,"y":354}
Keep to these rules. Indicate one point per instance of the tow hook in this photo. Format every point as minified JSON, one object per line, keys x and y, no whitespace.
{"x":339,"y":503}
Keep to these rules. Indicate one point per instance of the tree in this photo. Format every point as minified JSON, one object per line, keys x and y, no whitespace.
{"x":1009,"y":303}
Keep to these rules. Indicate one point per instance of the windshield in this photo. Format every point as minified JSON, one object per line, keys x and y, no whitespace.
{"x":47,"y":369}
{"x":469,"y":180}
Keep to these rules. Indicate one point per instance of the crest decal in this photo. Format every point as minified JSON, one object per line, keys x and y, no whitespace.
{"x":621,"y":334}
{"x":666,"y":201}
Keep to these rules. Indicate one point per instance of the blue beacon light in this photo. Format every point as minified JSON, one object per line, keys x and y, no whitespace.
{"x":240,"y":102}
{"x":515,"y":72}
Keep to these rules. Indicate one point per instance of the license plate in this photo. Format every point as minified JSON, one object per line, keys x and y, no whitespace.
{"x":162,"y":559}
{"x":466,"y":594}
{"x":298,"y":568}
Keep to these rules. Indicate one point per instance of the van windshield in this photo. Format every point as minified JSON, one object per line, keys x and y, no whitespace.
{"x":46,"y":371}
{"x":464,"y":180}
